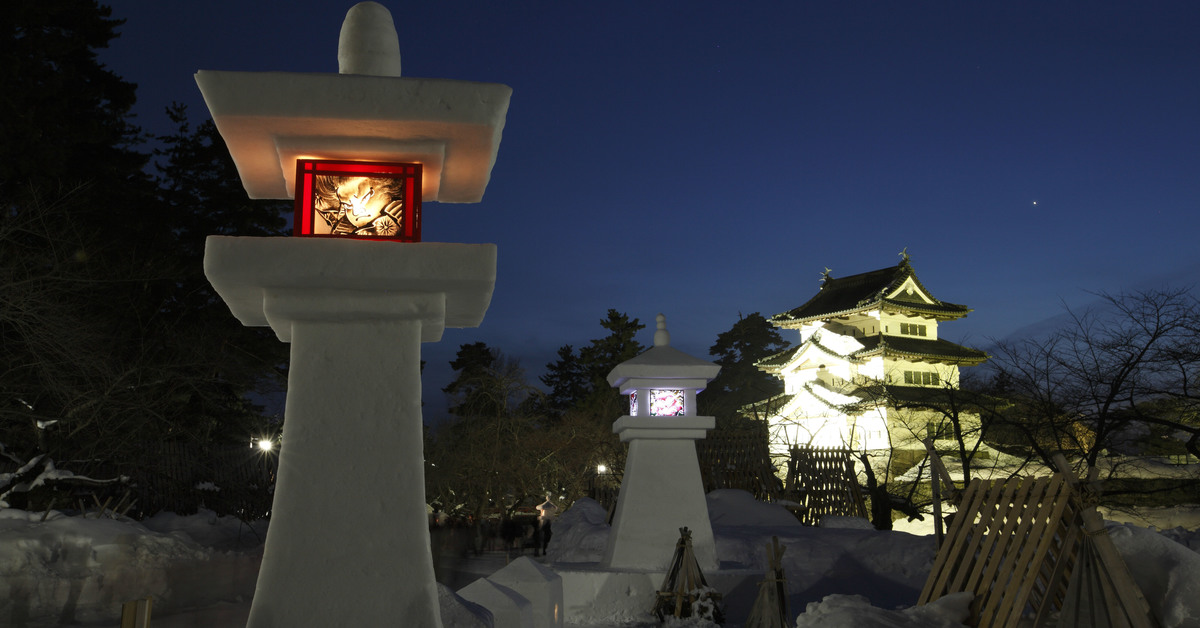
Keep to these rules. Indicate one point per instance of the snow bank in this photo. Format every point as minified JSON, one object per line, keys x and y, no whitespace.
{"x":580,"y":534}
{"x":854,"y":611}
{"x":1167,"y":572}
{"x":201,"y":569}
{"x":72,"y":569}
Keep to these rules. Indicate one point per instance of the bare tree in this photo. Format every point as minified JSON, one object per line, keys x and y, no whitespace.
{"x":1115,"y":369}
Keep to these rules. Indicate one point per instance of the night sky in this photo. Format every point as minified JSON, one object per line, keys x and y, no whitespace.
{"x":703,"y":159}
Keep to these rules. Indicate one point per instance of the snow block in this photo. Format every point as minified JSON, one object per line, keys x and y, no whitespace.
{"x":538,"y":584}
{"x":593,"y":595}
{"x":509,"y":609}
{"x":461,"y":613}
{"x":600,"y":596}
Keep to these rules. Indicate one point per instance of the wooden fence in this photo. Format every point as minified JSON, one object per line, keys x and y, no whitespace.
{"x":232,"y":479}
{"x":1030,"y":550}
{"x":823,"y":482}
{"x":739,"y":458}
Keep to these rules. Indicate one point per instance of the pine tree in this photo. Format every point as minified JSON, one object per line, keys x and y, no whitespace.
{"x":470,"y":392}
{"x":740,"y":382}
{"x":113,"y":341}
{"x":579,"y":382}
{"x":567,"y":380}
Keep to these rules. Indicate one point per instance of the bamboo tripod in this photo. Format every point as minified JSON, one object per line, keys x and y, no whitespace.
{"x":771,"y":608}
{"x":684,"y":589}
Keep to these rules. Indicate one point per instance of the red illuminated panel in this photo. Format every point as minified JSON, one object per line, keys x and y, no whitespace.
{"x":358,"y":199}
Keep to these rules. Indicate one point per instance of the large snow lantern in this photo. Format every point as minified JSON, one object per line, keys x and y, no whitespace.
{"x":663,"y":381}
{"x":358,"y":199}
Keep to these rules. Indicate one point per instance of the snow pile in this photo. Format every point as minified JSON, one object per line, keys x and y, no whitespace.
{"x":731,"y":508}
{"x":854,"y":611}
{"x":201,"y":569}
{"x":1184,"y":517}
{"x":460,"y":613}
{"x":1168,"y":573}
{"x":580,"y":534}
{"x":74,"y":569}
{"x":209,"y":530}
{"x":888,"y":567}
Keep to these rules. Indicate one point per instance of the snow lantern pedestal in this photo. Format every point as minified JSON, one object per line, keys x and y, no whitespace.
{"x":661,"y":490}
{"x":349,"y":537}
{"x":355,"y":295}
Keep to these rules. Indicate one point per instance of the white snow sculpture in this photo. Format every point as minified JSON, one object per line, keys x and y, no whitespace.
{"x":509,"y":609}
{"x":661,"y":491}
{"x":349,"y":509}
{"x":461,"y":613}
{"x":538,"y":584}
{"x":368,"y":43}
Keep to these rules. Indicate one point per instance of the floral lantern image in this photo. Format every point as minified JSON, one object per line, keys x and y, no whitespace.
{"x":358,"y":199}
{"x":663,"y":402}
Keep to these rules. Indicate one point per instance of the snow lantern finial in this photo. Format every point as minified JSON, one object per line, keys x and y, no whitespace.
{"x":368,"y":43}
{"x":662,"y":337}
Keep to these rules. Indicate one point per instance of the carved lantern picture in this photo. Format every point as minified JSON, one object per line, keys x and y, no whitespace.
{"x":358,"y":199}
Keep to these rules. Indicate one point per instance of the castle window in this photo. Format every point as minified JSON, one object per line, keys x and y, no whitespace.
{"x":912,"y":329}
{"x":921,"y":378}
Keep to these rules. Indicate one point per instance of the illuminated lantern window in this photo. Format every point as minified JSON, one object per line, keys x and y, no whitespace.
{"x":358,"y":199}
{"x":666,"y":402}
{"x":633,"y":403}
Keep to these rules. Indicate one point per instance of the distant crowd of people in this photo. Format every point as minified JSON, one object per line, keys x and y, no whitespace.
{"x":464,"y":536}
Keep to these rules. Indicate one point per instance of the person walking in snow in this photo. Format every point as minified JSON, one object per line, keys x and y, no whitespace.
{"x":547,"y":510}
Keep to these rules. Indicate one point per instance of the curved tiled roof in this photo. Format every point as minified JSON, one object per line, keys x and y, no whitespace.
{"x":776,"y":361}
{"x":866,"y":291}
{"x":941,"y":350}
{"x":918,"y":397}
{"x":770,"y":405}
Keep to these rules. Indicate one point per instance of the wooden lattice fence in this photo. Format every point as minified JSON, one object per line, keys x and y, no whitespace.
{"x":739,"y":458}
{"x":1028,"y":548}
{"x":233,"y":479}
{"x":823,"y":482}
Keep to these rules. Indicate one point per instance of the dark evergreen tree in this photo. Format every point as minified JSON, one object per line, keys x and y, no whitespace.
{"x":579,"y":381}
{"x":740,"y":382}
{"x":601,"y":355}
{"x":567,"y":380}
{"x":471,"y":390}
{"x":113,"y":341}
{"x":66,"y":117}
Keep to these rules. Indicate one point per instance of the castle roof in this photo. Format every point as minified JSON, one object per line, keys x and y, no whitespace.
{"x":918,"y":397}
{"x":920,"y":349}
{"x":883,"y":289}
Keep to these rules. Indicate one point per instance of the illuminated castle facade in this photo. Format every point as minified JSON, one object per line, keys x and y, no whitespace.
{"x":870,"y":371}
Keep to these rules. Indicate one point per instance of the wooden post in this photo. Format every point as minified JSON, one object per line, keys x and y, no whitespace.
{"x":136,"y":613}
{"x":938,"y":474}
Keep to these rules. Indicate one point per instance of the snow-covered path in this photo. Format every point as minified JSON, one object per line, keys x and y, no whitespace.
{"x":201,"y":569}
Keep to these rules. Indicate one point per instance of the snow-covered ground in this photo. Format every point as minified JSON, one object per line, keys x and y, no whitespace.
{"x":201,"y":569}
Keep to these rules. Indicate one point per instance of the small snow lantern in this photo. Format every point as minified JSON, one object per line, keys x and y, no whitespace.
{"x":663,"y":381}
{"x":358,"y":199}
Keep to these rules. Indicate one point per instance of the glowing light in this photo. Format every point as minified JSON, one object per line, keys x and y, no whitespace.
{"x":358,"y":199}
{"x":266,"y":444}
{"x":600,"y":468}
{"x":666,"y":402}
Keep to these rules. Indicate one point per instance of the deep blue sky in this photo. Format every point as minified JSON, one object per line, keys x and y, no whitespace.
{"x":708,"y":158}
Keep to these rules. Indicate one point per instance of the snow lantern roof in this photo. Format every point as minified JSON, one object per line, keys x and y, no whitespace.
{"x":662,"y":365}
{"x":365,"y":112}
